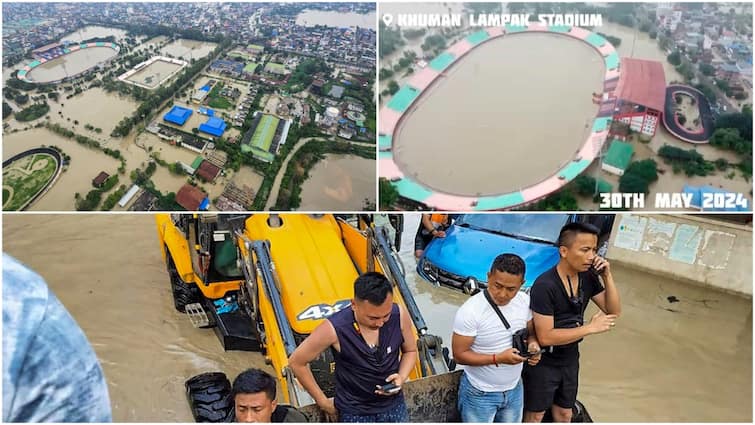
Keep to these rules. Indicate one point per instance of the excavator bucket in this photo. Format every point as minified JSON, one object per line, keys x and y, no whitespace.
{"x":431,"y":399}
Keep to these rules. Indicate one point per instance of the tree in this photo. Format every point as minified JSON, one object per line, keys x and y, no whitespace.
{"x":674,"y":58}
{"x":632,"y":183}
{"x":392,"y":87}
{"x":7,"y":110}
{"x":647,"y":169}
{"x":388,"y":194}
{"x":707,"y":69}
{"x":584,"y":185}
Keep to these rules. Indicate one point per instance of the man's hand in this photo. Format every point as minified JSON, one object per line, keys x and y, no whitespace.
{"x":601,"y":265}
{"x":439,"y":233}
{"x":396,"y":380}
{"x":510,"y":356}
{"x":534,"y":347}
{"x":601,"y":322}
{"x":328,"y":406}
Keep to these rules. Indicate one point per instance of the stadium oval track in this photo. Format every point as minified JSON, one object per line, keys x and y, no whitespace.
{"x":671,"y":122}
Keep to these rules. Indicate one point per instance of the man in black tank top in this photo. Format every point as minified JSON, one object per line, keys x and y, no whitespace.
{"x":558,"y":299}
{"x":367,"y":338}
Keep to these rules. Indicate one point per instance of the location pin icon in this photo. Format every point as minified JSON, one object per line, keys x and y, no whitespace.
{"x":387,"y":19}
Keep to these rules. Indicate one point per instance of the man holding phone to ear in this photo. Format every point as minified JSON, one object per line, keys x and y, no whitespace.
{"x":558,"y":299}
{"x":486,"y":330}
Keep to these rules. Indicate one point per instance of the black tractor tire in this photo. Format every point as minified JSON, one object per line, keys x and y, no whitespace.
{"x":183,"y":293}
{"x":578,"y":412}
{"x":209,"y":396}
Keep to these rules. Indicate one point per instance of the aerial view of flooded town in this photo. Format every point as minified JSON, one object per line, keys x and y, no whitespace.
{"x":482,"y":110}
{"x":189,"y":106}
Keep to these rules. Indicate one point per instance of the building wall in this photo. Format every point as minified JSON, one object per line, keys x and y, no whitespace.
{"x":698,"y":250}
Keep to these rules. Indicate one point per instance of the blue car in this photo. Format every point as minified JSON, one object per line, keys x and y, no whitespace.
{"x":462,"y":259}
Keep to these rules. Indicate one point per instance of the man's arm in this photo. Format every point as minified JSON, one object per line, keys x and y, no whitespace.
{"x":549,"y":336}
{"x":608,"y":301}
{"x":463,"y":354}
{"x":318,"y":341}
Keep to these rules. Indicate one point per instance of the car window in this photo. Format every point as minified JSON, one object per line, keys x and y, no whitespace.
{"x":543,"y":227}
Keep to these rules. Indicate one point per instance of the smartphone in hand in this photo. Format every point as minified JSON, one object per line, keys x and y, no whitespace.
{"x":389,"y":388}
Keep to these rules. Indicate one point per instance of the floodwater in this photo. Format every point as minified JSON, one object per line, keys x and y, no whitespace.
{"x":93,"y":31}
{"x":85,"y":165}
{"x":188,"y":49}
{"x":246,"y":176}
{"x":503,"y":92}
{"x":95,"y":107}
{"x":154,"y":74}
{"x":639,"y":45}
{"x":310,"y":18}
{"x":339,"y":183}
{"x":71,"y":64}
{"x":124,"y":305}
{"x":693,"y":364}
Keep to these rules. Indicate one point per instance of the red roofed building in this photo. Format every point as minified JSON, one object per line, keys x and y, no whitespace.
{"x":208,"y":171}
{"x":640,"y":95}
{"x":190,"y":197}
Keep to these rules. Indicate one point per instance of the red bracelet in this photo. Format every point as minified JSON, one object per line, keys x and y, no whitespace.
{"x":494,"y":361}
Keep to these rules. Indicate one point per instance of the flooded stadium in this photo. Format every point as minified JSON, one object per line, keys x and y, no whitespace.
{"x":655,"y":366}
{"x":71,"y":64}
{"x":518,"y":96}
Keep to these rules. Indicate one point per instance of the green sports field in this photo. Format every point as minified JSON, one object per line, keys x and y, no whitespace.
{"x":263,"y":134}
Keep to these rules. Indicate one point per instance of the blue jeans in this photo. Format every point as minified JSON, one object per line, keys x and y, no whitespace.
{"x":481,"y":406}
{"x":398,"y":413}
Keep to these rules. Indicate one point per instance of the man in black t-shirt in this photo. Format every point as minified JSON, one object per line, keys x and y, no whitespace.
{"x":558,"y":299}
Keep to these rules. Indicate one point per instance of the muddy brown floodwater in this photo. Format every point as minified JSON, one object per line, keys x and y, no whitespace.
{"x":690,"y":364}
{"x":468,"y":134}
{"x":70,"y":64}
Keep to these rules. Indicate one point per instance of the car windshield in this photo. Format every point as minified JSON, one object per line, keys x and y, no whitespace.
{"x":539,"y":227}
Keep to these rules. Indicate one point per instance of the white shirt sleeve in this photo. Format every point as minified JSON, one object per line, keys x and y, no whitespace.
{"x":465,"y":322}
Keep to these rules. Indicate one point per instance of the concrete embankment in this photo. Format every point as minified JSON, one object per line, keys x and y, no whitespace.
{"x":703,"y":251}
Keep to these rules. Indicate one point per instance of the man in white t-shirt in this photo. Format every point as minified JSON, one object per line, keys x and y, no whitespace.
{"x":491,"y":386}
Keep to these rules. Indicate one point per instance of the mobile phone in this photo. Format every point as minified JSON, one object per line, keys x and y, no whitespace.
{"x":594,"y":270}
{"x":527,"y":354}
{"x":389,"y":388}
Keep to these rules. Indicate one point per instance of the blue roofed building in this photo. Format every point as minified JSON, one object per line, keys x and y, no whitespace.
{"x":177,"y":115}
{"x":214,"y":127}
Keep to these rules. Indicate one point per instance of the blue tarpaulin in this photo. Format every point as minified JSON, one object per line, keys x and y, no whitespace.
{"x":213,"y":126}
{"x":178,"y":115}
{"x":205,"y":88}
{"x":206,"y":111}
{"x":205,"y":204}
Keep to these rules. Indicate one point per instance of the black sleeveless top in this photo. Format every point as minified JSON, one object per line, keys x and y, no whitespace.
{"x":359,"y":368}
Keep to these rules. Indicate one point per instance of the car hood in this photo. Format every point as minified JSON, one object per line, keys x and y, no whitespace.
{"x":470,"y":252}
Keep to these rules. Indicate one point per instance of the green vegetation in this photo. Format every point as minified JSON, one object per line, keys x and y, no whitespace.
{"x":414,"y":34}
{"x":304,"y":74}
{"x":33,"y":112}
{"x":388,"y":194}
{"x":707,"y":69}
{"x":434,"y":44}
{"x":113,"y":198}
{"x":638,"y":176}
{"x":92,"y":199}
{"x":562,"y":200}
{"x":90,"y":143}
{"x":26,"y":177}
{"x":216,"y":100}
{"x":675,"y":58}
{"x":483,"y":7}
{"x":689,"y":161}
{"x":390,"y":40}
{"x":734,"y":132}
{"x":7,"y":110}
{"x":584,"y":185}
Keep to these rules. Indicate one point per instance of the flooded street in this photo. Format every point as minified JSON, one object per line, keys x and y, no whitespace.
{"x":500,"y":113}
{"x":690,"y":364}
{"x":70,"y":64}
{"x":339,"y":183}
{"x":311,"y":18}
